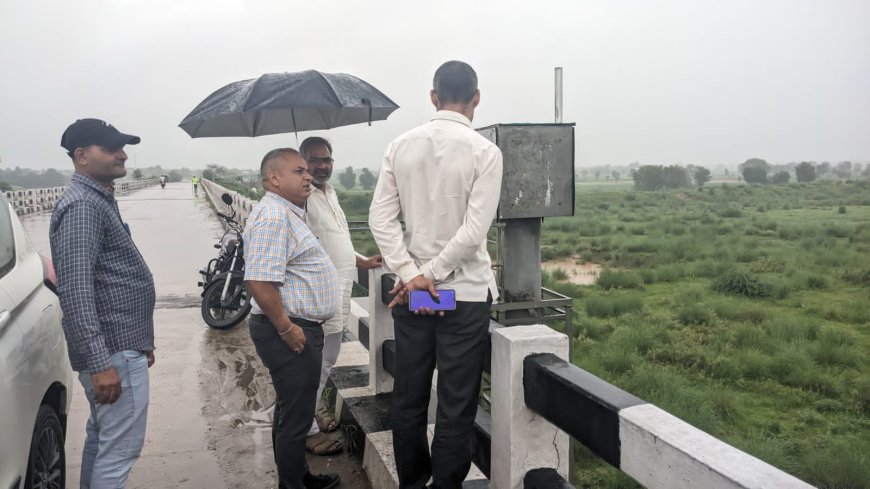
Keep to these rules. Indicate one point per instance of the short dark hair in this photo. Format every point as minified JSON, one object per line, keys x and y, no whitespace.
{"x":311,"y":142}
{"x":273,"y":155}
{"x":455,"y":81}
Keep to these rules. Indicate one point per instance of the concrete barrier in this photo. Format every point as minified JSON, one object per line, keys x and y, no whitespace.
{"x":33,"y":200}
{"x":242,"y":206}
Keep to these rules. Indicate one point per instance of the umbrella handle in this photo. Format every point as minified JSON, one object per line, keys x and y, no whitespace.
{"x":368,"y":102}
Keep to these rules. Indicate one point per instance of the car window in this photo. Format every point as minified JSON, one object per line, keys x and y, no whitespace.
{"x":7,"y":241}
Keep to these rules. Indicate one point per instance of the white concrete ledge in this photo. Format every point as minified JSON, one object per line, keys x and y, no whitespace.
{"x":662,"y":451}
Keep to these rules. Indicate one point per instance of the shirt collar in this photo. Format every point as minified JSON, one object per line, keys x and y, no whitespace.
{"x":449,"y":115}
{"x":93,"y":185}
{"x":290,"y":205}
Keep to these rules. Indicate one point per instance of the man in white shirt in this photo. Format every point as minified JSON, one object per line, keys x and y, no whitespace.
{"x":445,"y":180}
{"x":328,"y":222}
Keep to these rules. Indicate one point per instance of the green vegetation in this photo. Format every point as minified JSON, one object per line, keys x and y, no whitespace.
{"x":744,"y":310}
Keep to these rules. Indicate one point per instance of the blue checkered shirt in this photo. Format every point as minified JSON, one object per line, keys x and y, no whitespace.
{"x":106,"y":290}
{"x":279,"y":247}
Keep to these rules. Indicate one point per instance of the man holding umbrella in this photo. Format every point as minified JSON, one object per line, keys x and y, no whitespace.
{"x":295,"y":289}
{"x":328,"y":222}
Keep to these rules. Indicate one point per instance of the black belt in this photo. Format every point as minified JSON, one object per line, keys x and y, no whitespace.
{"x":299,"y":321}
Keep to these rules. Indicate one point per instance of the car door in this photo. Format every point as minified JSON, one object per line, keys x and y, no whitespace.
{"x":15,"y":422}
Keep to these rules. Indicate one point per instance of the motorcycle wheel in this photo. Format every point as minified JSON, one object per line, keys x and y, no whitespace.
{"x":231,"y":311}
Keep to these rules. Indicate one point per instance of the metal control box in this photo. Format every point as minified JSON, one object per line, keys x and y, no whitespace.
{"x":538,"y":176}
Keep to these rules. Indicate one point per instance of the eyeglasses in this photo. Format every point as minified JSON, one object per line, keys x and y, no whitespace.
{"x":315,"y":160}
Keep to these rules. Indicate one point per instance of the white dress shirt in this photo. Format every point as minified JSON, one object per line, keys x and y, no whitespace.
{"x":328,"y":222}
{"x":445,"y":179}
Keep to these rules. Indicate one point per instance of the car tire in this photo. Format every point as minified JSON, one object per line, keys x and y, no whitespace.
{"x":46,"y":465}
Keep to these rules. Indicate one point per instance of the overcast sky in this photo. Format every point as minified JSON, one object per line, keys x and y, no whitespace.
{"x":702,"y":82}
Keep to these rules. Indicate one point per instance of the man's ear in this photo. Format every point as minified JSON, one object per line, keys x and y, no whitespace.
{"x":433,"y":96}
{"x":79,"y":156}
{"x":476,"y":99}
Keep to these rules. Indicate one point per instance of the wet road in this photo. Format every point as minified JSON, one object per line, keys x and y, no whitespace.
{"x":211,"y":398}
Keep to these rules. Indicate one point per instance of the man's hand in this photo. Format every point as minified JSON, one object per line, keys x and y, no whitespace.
{"x":293,"y":337}
{"x":149,"y":354}
{"x":369,"y":263}
{"x":400,"y":295}
{"x":418,"y":283}
{"x":107,"y":386}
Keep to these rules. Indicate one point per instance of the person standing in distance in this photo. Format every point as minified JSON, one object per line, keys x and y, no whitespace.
{"x":328,"y":222}
{"x":107,"y":296}
{"x":445,"y":179}
{"x":295,"y":289}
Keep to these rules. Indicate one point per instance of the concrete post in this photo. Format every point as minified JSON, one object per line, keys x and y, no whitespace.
{"x":380,"y":330}
{"x":521,"y":439}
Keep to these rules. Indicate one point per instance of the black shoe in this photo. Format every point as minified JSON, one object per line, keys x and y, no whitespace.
{"x":320,"y":481}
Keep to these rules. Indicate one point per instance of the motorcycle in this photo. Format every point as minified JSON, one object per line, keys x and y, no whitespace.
{"x":225,"y":299}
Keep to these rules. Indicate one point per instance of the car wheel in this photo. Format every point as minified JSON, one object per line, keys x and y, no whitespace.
{"x":46,"y":466}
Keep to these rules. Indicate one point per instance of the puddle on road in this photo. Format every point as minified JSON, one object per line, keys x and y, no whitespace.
{"x":578,"y":272}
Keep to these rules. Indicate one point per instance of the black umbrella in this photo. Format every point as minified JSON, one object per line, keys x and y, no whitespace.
{"x":278,"y":103}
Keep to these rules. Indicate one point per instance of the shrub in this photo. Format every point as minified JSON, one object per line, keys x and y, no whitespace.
{"x":841,"y":209}
{"x":694,"y":314}
{"x":741,"y":282}
{"x":612,"y":279}
{"x":599,"y":307}
{"x":627,"y":303}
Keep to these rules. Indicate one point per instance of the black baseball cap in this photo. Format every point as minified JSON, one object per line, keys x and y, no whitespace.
{"x":86,"y":132}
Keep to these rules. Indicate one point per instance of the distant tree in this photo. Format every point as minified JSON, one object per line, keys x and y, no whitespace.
{"x":347,"y":178}
{"x":866,"y":172}
{"x":823,"y":169}
{"x":585,"y":173}
{"x":755,"y":175}
{"x":208,"y":174}
{"x":805,"y":172}
{"x":700,"y":175}
{"x":754,"y":170}
{"x":657,"y":177}
{"x":856,"y":169}
{"x":843,"y":169}
{"x":5,"y":187}
{"x":597,"y":174}
{"x":174,"y":176}
{"x":727,"y":172}
{"x":137,"y":174}
{"x":615,"y":175}
{"x":366,"y":179}
{"x":780,"y":177}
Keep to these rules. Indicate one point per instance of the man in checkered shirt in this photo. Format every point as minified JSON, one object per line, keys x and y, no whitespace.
{"x":107,"y":296}
{"x":295,"y":289}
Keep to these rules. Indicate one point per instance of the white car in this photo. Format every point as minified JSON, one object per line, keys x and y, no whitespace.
{"x":35,"y":376}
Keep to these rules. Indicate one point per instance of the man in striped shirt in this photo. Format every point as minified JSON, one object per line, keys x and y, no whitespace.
{"x":295,"y":289}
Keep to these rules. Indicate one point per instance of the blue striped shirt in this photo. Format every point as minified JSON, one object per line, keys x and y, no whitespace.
{"x":279,"y":247}
{"x":106,"y":290}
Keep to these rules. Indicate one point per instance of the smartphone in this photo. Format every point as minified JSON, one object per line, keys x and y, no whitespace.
{"x":446,"y":300}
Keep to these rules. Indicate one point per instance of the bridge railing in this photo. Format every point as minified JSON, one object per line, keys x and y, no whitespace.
{"x":33,"y":200}
{"x":241,"y":205}
{"x":539,"y":400}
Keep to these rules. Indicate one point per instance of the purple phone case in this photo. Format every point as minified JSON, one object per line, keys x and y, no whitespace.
{"x":421,"y":298}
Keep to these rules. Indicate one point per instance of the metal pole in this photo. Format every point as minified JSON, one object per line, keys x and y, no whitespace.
{"x":558,"y":95}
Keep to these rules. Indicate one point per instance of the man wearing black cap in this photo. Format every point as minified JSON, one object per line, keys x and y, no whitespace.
{"x":107,"y":296}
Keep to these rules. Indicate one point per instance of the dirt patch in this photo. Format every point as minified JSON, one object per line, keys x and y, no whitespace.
{"x":578,"y":272}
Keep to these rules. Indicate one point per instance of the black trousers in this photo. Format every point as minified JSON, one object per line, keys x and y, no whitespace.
{"x":295,"y":377}
{"x":457,"y":343}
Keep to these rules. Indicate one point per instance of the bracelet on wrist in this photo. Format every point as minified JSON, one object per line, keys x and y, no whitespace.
{"x":282,"y":333}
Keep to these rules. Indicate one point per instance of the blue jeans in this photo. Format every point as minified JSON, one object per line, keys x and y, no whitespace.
{"x":116,"y":432}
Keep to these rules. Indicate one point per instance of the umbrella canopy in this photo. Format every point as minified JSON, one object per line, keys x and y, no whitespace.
{"x":278,"y":103}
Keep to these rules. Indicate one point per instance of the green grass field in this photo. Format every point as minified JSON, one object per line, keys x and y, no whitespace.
{"x":743,"y":310}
